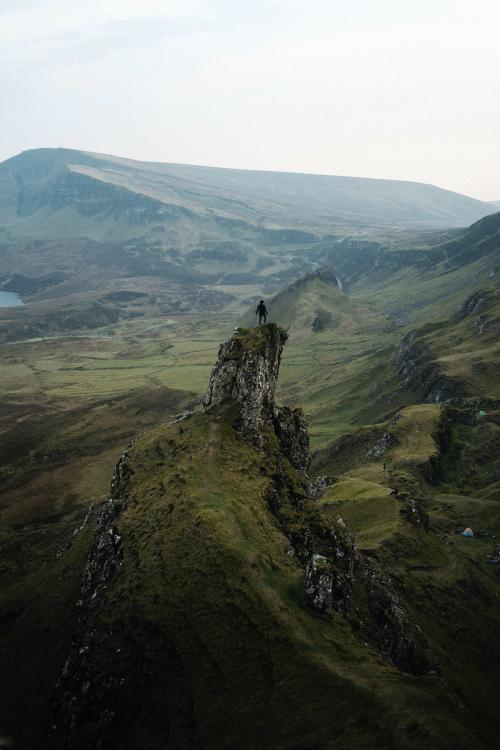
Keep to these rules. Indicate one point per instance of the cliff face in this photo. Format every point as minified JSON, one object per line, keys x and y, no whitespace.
{"x":91,"y":197}
{"x":219,"y":608}
{"x":246,"y":372}
{"x":420,"y":374}
{"x":83,"y":713}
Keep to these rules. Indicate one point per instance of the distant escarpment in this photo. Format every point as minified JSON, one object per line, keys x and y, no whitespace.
{"x":294,"y":205}
{"x":220,"y":608}
{"x":90,"y":197}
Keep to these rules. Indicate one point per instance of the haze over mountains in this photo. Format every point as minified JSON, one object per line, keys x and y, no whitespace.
{"x":45,"y":180}
{"x":90,"y":239}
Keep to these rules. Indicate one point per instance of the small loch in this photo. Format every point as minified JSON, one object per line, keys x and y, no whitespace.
{"x":10,"y":299}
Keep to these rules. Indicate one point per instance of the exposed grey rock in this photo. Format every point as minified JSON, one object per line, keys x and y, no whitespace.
{"x":246,"y":372}
{"x":392,"y":632}
{"x":329,"y":579}
{"x":292,"y":432}
{"x":420,"y":374}
{"x":480,"y":325}
{"x":384,"y":441}
{"x":319,"y":582}
{"x":82,"y":716}
{"x":415,"y":514}
{"x":318,"y":486}
{"x":379,"y":617}
{"x":473,"y":303}
{"x":184,"y":414}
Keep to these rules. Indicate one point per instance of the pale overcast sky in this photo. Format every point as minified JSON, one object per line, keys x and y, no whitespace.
{"x":405,"y":89}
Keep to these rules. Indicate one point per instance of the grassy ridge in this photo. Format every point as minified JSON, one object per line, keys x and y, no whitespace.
{"x":57,"y":459}
{"x":211,"y":584}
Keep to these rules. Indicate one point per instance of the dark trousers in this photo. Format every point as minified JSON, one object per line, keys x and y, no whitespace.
{"x":262,"y":315}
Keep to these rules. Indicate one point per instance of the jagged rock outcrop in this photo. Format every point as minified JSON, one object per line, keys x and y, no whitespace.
{"x":473,"y":303}
{"x":391,"y":630}
{"x":246,"y":372}
{"x":336,"y":571}
{"x":83,"y":713}
{"x":291,"y":429}
{"x":420,"y":374}
{"x":385,"y":440}
{"x":329,"y":577}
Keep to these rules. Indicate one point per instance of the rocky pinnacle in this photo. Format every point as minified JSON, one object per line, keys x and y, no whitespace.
{"x":246,"y":371}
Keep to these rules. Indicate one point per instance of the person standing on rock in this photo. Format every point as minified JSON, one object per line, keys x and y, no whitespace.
{"x":261,"y":311}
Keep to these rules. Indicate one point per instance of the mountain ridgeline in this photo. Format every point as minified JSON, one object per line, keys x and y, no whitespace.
{"x":142,"y":191}
{"x":224,"y":605}
{"x":89,"y":240}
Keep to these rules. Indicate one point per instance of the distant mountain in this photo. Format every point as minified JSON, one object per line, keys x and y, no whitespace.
{"x":361,"y":262}
{"x":63,"y":192}
{"x":315,"y":305}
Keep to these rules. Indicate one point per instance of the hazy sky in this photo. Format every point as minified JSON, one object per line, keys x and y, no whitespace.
{"x":406,"y":89}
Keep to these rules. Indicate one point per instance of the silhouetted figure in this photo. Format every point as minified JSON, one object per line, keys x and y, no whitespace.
{"x":261,"y":311}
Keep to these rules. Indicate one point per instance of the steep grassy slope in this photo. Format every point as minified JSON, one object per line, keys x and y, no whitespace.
{"x":435,"y":468}
{"x":195,"y":626}
{"x":56,"y":459}
{"x":468,"y":347}
{"x":211,"y":626}
{"x":364,"y":361}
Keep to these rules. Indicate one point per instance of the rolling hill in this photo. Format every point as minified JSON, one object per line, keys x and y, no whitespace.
{"x":122,"y":195}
